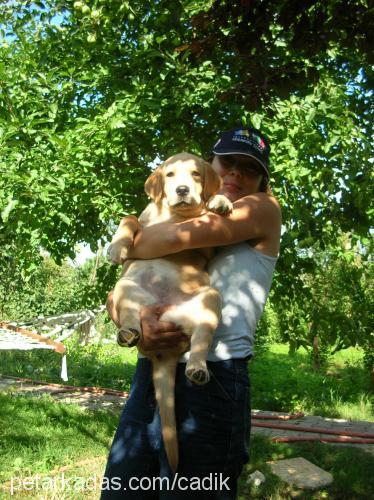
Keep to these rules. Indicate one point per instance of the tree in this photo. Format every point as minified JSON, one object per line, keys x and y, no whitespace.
{"x":92,"y":93}
{"x":334,"y":311}
{"x":50,"y":290}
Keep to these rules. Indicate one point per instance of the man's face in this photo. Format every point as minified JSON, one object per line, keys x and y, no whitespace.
{"x":240,"y":174}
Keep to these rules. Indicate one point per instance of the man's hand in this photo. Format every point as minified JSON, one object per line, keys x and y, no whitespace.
{"x":159,"y":334}
{"x":155,"y":334}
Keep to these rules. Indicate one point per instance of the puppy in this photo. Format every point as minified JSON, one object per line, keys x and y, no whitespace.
{"x":183,"y":187}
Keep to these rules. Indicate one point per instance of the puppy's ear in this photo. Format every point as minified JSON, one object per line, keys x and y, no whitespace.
{"x":154,"y":185}
{"x":212,"y":182}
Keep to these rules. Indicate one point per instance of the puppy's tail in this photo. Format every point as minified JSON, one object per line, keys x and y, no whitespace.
{"x":164,"y":383}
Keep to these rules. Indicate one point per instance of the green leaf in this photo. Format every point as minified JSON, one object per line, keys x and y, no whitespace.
{"x":116,"y":122}
{"x":12,"y":203}
{"x":64,"y":218}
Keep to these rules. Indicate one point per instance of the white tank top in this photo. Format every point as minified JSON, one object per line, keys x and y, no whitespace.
{"x":243,"y":276}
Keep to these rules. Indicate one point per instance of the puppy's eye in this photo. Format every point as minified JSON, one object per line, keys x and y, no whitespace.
{"x":170,"y":174}
{"x":195,"y":173}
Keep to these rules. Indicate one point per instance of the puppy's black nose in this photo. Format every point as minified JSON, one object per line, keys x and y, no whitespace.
{"x":182,"y":190}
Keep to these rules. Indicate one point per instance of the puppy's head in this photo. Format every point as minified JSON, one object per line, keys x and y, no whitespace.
{"x":183,"y":182}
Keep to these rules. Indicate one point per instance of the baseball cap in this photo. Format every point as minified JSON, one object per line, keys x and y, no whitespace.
{"x":245,"y":141}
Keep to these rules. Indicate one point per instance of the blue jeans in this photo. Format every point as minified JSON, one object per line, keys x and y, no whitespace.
{"x":213,"y":426}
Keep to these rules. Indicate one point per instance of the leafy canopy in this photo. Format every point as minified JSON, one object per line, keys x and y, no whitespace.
{"x":93,"y":92}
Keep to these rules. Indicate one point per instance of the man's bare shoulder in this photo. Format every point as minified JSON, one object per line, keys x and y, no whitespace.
{"x":261,"y":201}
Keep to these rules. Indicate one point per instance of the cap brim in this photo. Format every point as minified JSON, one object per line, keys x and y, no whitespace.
{"x":223,"y":153}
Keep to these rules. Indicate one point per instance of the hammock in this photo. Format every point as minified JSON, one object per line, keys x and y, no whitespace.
{"x":24,"y":335}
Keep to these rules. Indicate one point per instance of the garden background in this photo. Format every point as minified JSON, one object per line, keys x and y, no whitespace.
{"x":93,"y":94}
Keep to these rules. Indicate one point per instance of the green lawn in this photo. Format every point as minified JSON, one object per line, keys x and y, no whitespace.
{"x":105,"y":365}
{"x":45,"y":439}
{"x":40,"y":436}
{"x":280,"y":382}
{"x":352,"y":470}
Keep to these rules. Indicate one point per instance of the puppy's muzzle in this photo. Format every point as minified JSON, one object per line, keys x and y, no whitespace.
{"x":182,"y":190}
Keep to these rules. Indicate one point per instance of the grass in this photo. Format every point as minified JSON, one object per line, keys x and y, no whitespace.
{"x":50,"y":441}
{"x":104,"y":365}
{"x":280,"y":382}
{"x":352,"y":470}
{"x":39,"y":435}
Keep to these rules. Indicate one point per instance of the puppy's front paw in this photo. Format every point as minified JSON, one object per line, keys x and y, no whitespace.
{"x":128,"y":338}
{"x":198,"y":374}
{"x":219,"y":204}
{"x":117,"y":253}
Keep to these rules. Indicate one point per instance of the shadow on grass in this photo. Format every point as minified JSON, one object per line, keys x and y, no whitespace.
{"x":37,"y":434}
{"x":281,"y":382}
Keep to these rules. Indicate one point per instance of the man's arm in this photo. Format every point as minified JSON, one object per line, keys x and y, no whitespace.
{"x":254,"y":217}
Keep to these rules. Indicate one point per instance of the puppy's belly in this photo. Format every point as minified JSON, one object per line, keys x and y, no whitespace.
{"x":167,"y":282}
{"x":161,"y":287}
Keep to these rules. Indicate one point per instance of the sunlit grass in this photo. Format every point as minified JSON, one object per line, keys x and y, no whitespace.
{"x":341,"y":389}
{"x":104,"y":365}
{"x":280,"y":382}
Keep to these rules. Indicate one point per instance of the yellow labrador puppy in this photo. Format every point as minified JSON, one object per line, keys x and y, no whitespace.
{"x":184,"y":186}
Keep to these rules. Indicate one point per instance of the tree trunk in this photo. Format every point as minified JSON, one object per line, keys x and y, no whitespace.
{"x":94,"y":271}
{"x":316,"y":356}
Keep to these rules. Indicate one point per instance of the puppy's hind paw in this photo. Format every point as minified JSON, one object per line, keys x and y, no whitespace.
{"x":128,"y":338}
{"x":199,"y":376}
